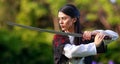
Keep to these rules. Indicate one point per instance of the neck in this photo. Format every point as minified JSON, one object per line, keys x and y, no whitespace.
{"x":70,"y":29}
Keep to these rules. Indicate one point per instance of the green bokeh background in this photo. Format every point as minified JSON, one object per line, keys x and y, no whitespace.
{"x":24,"y":46}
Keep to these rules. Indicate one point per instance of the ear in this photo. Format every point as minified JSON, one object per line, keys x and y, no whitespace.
{"x":74,"y":20}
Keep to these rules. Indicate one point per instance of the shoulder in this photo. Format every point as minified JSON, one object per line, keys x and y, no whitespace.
{"x":60,"y":40}
{"x":57,"y":36}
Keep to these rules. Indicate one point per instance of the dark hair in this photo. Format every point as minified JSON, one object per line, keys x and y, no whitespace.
{"x":73,"y":12}
{"x":70,"y":10}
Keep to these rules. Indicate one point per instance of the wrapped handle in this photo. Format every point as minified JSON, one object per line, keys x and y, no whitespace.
{"x":105,"y":38}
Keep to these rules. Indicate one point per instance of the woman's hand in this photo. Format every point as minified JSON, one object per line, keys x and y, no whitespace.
{"x":95,"y":32}
{"x":87,"y":35}
{"x":98,"y":39}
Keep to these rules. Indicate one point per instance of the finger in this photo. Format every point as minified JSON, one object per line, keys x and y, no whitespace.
{"x":89,"y":35}
{"x":84,"y":34}
{"x":95,"y":32}
{"x":101,"y":37}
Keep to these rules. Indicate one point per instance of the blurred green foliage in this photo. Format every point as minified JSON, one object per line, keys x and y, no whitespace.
{"x":27,"y":47}
{"x":23,"y":46}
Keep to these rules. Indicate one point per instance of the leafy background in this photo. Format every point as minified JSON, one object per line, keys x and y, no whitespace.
{"x":24,"y":46}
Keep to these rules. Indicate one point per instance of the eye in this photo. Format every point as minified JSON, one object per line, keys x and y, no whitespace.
{"x":63,"y":18}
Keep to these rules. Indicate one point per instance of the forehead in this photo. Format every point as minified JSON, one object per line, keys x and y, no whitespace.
{"x":61,"y":14}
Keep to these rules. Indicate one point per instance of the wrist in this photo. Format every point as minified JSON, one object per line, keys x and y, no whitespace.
{"x":96,"y":44}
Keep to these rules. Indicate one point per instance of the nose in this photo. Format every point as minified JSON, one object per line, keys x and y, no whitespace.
{"x":60,"y":21}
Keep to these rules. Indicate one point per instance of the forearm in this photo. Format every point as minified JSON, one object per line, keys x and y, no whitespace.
{"x":80,"y":50}
{"x":113,"y":35}
{"x":110,"y":33}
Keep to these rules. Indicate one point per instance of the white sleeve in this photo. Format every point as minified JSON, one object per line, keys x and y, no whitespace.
{"x":113,"y":34}
{"x":79,"y":50}
{"x":110,"y":33}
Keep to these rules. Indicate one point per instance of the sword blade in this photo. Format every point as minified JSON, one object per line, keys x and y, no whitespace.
{"x":44,"y":30}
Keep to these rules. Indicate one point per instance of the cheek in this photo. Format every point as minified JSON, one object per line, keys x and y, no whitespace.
{"x":68,"y":23}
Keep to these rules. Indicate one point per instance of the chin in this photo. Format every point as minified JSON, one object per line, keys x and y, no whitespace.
{"x":63,"y":29}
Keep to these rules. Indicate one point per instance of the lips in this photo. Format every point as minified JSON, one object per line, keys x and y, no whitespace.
{"x":62,"y":26}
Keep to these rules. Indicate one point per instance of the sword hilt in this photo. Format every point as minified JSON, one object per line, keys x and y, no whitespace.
{"x":105,"y":38}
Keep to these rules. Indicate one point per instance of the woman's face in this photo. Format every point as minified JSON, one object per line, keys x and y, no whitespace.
{"x":66,"y":22}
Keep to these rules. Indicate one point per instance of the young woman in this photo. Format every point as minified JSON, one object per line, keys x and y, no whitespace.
{"x":77,"y":50}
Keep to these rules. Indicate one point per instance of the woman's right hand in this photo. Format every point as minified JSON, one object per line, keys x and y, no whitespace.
{"x":98,"y":39}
